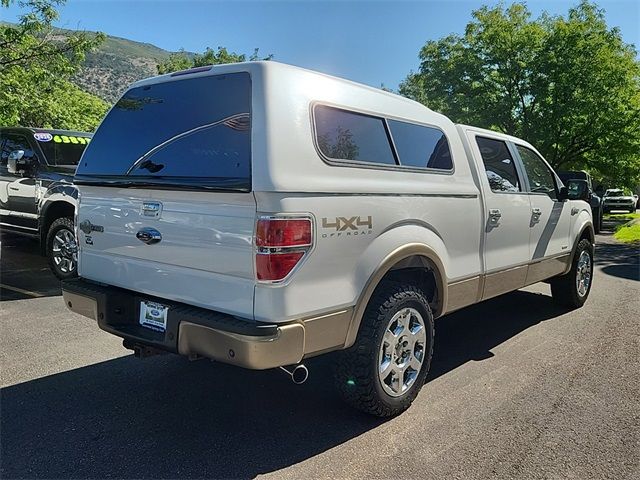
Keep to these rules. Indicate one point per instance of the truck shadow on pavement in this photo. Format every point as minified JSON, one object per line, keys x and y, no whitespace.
{"x":615,"y":258}
{"x":25,"y":272}
{"x":164,"y":417}
{"x":619,"y":260}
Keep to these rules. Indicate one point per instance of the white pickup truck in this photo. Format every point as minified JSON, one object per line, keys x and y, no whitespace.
{"x":259,"y":214}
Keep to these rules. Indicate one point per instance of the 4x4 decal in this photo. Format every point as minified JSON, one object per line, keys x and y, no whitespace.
{"x":348,"y":225}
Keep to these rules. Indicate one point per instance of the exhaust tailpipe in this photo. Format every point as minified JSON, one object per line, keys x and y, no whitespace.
{"x":298,"y":375}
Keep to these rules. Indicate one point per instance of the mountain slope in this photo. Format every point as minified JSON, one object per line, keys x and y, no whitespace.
{"x":117,"y":63}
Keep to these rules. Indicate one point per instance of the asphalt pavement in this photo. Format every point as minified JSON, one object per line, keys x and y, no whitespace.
{"x":519,"y":388}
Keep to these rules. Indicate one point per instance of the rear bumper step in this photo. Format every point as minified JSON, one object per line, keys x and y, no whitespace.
{"x":190,"y":330}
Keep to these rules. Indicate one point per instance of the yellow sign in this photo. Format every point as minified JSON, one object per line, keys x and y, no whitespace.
{"x":71,"y":139}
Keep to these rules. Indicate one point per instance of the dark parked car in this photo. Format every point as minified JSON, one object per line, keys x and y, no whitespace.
{"x":595,"y":201}
{"x":37,"y":197}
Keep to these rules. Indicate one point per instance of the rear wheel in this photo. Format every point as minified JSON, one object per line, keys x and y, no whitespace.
{"x":62,"y":248}
{"x":382,"y":373}
{"x":571,"y":290}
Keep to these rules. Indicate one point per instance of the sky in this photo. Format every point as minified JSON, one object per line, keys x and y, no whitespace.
{"x":372,"y":42}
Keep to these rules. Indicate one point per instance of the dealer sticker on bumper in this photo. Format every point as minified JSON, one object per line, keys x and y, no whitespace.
{"x":153,"y":315}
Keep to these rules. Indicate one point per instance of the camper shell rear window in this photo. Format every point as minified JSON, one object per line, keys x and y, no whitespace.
{"x":191,"y":132}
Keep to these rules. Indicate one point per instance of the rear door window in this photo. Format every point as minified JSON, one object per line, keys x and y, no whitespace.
{"x":192,"y":130}
{"x":499,"y":165}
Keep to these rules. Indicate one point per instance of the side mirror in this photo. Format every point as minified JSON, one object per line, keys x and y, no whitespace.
{"x":575,"y":190}
{"x":12,"y":162}
{"x":17,"y":162}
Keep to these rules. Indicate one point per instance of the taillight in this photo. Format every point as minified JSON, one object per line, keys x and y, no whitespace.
{"x":281,"y":243}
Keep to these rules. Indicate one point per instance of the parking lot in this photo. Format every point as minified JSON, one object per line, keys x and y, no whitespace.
{"x":518,"y":389}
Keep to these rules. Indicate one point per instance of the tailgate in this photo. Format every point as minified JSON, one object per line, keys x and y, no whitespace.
{"x":165,"y":192}
{"x":204,"y":256}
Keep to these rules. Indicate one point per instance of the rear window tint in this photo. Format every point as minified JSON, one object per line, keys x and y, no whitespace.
{"x":192,"y":128}
{"x":420,"y":146}
{"x":343,"y":135}
{"x":64,"y":150}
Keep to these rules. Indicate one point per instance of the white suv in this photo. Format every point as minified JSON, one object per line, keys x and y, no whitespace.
{"x":616,"y":199}
{"x":259,"y":214}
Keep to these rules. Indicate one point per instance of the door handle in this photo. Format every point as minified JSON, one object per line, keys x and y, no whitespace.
{"x":494,"y":215}
{"x":535,"y":215}
{"x":15,"y":189}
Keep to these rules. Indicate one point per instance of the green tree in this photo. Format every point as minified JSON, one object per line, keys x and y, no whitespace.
{"x":341,"y":146}
{"x":36,"y":62}
{"x":567,"y":84}
{"x":182,"y":60}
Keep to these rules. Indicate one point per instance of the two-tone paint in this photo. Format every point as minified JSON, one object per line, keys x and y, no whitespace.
{"x":369,"y":223}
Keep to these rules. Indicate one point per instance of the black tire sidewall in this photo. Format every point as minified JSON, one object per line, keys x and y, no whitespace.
{"x":63,"y":223}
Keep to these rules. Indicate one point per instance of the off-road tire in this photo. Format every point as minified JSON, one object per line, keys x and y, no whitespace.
{"x":356,"y":371}
{"x":564,"y":289}
{"x":597,"y":220}
{"x":64,"y":223}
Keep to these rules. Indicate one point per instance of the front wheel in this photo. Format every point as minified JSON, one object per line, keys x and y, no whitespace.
{"x":62,"y":249}
{"x":382,"y":373}
{"x":571,"y":290}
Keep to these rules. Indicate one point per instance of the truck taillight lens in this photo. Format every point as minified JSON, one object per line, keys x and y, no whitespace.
{"x":281,"y":243}
{"x":283,"y":232}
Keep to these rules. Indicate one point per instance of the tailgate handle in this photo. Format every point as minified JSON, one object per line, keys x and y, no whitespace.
{"x":149,"y":235}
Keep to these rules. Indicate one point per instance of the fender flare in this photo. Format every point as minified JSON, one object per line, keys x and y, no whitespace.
{"x":58,"y":194}
{"x":587,"y":227}
{"x":386,"y":265}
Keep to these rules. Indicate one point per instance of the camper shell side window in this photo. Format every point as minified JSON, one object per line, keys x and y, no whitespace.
{"x":350,"y":138}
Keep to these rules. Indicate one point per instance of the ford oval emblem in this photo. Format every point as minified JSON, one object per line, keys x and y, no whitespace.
{"x":149,"y":235}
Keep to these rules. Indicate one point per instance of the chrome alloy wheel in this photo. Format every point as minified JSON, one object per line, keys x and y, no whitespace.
{"x":583,"y":273}
{"x":402,"y":352}
{"x":65,"y":251}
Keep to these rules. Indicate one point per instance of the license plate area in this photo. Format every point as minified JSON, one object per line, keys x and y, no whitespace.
{"x":153,"y":315}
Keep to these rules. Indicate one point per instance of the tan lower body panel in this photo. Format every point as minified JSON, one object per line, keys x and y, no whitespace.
{"x":86,"y":306}
{"x":258,"y":353}
{"x":290,"y":345}
{"x":547,"y":268}
{"x":504,"y":281}
{"x":463,"y":293}
{"x":326,"y":333}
